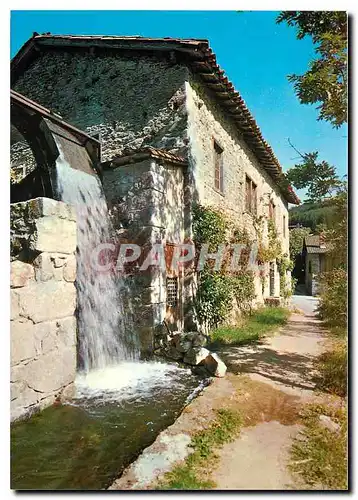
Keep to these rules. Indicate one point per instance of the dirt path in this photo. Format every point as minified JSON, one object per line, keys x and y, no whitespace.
{"x":258,"y":459}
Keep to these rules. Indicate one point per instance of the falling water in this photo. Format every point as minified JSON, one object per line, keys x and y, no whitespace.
{"x":104,"y":330}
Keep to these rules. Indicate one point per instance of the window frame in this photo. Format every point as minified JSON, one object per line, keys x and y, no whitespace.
{"x":218,"y":153}
{"x":272,"y":211}
{"x":250,"y":195}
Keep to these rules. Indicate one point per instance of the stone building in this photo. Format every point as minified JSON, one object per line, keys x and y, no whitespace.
{"x":173,"y":132}
{"x":316,"y":261}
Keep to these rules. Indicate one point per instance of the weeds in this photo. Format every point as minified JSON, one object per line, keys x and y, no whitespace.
{"x":319,"y":454}
{"x":194,"y":474}
{"x":333,"y":368}
{"x":253,"y":328}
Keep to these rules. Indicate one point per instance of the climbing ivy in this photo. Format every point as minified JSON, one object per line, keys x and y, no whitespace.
{"x":217,"y":289}
{"x":284,"y":265}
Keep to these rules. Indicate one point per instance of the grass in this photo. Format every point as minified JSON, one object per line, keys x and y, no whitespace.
{"x":333,"y":368}
{"x":319,"y":455}
{"x":255,"y":326}
{"x":194,"y":473}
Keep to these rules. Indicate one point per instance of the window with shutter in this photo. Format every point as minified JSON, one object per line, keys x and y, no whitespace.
{"x":250,"y":196}
{"x":218,"y":166}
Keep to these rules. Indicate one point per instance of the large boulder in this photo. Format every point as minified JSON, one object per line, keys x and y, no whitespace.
{"x":214,"y":365}
{"x":196,"y":355}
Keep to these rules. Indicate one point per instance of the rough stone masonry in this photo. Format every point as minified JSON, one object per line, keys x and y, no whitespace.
{"x":43,"y":302}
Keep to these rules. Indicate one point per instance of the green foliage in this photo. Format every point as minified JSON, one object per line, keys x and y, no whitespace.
{"x":253,"y":328}
{"x":193,"y":474}
{"x":333,"y":368}
{"x":325,"y":82}
{"x":297,"y":235}
{"x":319,"y":454}
{"x":336,"y":235}
{"x":273,"y":250}
{"x":243,"y":289}
{"x":319,"y":178}
{"x":217,"y":289}
{"x":287,"y":286}
{"x":209,"y":226}
{"x":333,"y":299}
{"x":213,"y":299}
{"x":216,"y":292}
{"x":312,"y":215}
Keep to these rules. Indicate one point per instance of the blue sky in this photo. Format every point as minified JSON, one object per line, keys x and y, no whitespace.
{"x":255,"y":52}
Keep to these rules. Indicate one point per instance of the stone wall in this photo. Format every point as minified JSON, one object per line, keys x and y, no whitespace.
{"x":43,"y":302}
{"x":146,"y":202}
{"x":206,"y":123}
{"x":131,"y":102}
{"x":312,"y":271}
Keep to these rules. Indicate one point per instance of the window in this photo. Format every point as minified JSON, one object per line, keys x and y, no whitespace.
{"x":284,"y":226}
{"x":272,"y":210}
{"x":218,"y":165}
{"x":310,"y":267}
{"x":172,"y":292}
{"x":250,"y":196}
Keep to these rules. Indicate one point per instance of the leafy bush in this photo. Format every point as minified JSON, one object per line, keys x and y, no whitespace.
{"x":333,"y":300}
{"x":333,"y":367}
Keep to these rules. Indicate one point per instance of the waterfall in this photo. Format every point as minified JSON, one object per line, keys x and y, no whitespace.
{"x":105,"y":333}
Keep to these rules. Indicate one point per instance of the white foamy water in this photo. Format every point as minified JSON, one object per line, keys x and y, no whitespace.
{"x":105,"y":332}
{"x":129,"y":379}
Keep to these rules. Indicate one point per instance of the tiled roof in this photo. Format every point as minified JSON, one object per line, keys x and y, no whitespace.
{"x":315,"y":244}
{"x":317,"y":249}
{"x":313,"y":240}
{"x":194,"y":52}
{"x":143,"y":154}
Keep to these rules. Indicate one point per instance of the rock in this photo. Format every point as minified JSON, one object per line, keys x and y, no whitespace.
{"x":328,"y":423}
{"x":23,"y":343}
{"x":48,"y":300}
{"x":198,"y":339}
{"x":172,"y":353}
{"x":53,"y":234}
{"x":59,"y":260}
{"x":45,"y":335}
{"x":15,"y":308}
{"x":182,"y":342}
{"x":214,"y":365}
{"x":51,"y":371}
{"x":43,"y":207}
{"x":196,"y":355}
{"x":66,"y":331}
{"x":43,"y":267}
{"x":20,"y":273}
{"x":69,"y":271}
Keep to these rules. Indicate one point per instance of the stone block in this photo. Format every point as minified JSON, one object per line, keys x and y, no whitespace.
{"x":20,"y":273}
{"x":15,"y":308}
{"x":44,"y":301}
{"x":69,"y":270}
{"x":54,"y":235}
{"x":196,"y":355}
{"x":22,"y":341}
{"x":42,"y":207}
{"x":45,"y":335}
{"x":66,"y":331}
{"x":59,"y":260}
{"x":214,"y":365}
{"x":43,"y":267}
{"x":51,"y":371}
{"x":19,"y":405}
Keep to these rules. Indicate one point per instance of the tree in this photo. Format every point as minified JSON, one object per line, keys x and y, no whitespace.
{"x":320,"y":178}
{"x":297,"y":235}
{"x":325,"y":81}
